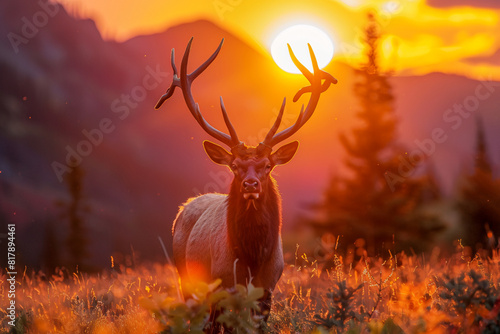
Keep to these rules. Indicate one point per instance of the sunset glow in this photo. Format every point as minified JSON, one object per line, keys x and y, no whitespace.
{"x":419,"y":38}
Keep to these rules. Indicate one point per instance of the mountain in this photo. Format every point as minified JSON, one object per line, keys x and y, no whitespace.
{"x":450,"y":104}
{"x":63,"y":89}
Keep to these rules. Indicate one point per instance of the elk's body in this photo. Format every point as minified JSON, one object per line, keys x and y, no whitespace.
{"x":237,"y":237}
{"x":213,"y":240}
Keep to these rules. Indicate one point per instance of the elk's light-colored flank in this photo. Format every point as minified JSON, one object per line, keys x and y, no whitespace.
{"x":237,"y":237}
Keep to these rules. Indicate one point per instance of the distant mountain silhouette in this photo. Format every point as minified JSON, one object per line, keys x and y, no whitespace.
{"x":64,"y":82}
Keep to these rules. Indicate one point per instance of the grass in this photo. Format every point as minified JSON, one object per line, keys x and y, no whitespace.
{"x":392,"y":294}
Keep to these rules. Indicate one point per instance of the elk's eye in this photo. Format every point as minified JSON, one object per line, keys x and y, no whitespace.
{"x":268,"y":168}
{"x":234,"y":167}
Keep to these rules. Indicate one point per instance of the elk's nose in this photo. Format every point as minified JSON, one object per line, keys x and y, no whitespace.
{"x":250,"y":185}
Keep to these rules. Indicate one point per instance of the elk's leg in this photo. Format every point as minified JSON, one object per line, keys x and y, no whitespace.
{"x":215,"y":327}
{"x":265,"y":304}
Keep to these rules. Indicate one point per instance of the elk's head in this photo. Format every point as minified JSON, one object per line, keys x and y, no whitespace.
{"x":251,"y":166}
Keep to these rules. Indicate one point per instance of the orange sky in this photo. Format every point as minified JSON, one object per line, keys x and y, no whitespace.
{"x":418,"y":38}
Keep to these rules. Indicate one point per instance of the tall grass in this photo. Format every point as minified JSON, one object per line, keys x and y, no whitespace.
{"x":390,"y":294}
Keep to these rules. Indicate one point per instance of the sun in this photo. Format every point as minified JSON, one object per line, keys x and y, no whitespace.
{"x":298,"y":36}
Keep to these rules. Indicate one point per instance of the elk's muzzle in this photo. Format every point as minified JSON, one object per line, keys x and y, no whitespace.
{"x":251,"y":189}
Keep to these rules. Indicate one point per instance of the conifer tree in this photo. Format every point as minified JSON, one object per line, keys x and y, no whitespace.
{"x":361,"y":204}
{"x":74,"y":210}
{"x":479,"y":202}
{"x":51,"y":249}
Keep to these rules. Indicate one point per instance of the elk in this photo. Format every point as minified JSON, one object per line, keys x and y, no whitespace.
{"x":237,"y":237}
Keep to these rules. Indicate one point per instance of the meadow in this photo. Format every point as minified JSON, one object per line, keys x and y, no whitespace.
{"x":331,"y":292}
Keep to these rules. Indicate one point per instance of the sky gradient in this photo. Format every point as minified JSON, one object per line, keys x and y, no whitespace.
{"x":459,"y":37}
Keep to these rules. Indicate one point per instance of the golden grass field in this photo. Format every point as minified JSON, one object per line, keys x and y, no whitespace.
{"x":333,"y":294}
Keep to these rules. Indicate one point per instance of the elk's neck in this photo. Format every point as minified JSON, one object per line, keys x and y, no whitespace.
{"x":254,"y":230}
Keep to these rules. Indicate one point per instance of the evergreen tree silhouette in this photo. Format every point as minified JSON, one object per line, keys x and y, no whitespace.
{"x":51,"y":249}
{"x":74,"y":210}
{"x":362,"y":205}
{"x":479,"y":200}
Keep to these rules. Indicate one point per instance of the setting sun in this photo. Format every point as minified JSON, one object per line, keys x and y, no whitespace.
{"x":298,"y":36}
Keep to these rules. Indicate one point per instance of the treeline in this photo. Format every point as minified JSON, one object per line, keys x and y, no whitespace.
{"x":371,"y":203}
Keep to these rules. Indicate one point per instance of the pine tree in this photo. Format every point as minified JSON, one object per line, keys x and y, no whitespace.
{"x":74,"y":209}
{"x":51,"y":255}
{"x":479,"y":202}
{"x":362,"y":205}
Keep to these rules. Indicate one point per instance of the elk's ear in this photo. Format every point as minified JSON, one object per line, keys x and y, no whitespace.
{"x":285,"y":153}
{"x":217,"y":153}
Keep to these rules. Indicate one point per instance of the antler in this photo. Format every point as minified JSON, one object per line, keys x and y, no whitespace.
{"x":184,"y":82}
{"x":316,"y":88}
